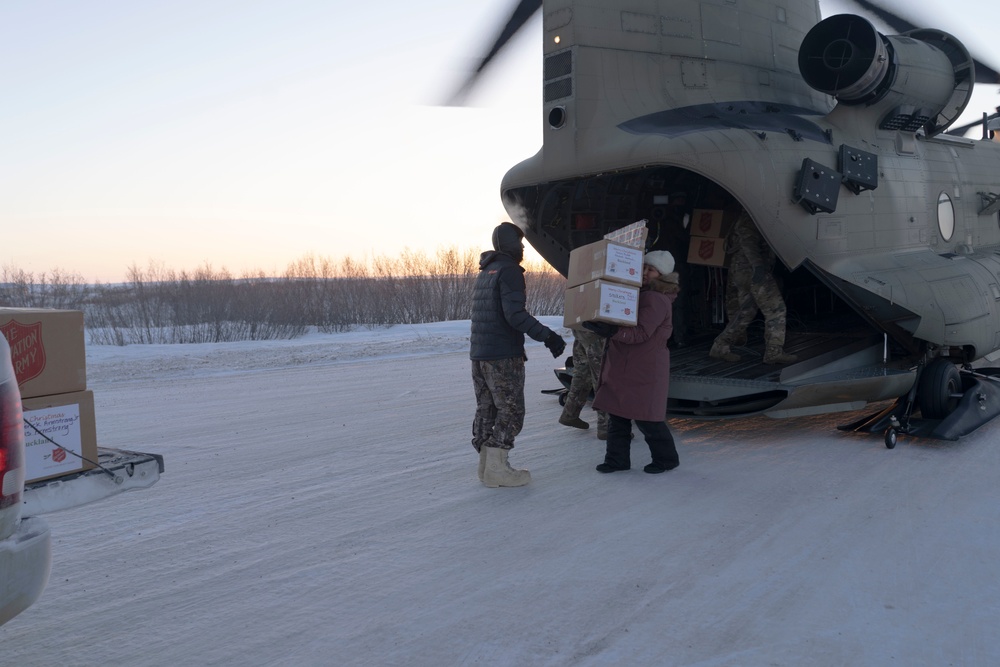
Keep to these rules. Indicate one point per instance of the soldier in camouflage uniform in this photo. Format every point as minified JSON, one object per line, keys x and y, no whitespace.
{"x":588,"y":351}
{"x":751,"y":276}
{"x":499,"y":324}
{"x":499,"y":388}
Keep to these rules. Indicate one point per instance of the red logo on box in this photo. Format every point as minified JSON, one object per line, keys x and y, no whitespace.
{"x":707,"y":248}
{"x":26,"y":349}
{"x":58,"y":455}
{"x":704,"y":222}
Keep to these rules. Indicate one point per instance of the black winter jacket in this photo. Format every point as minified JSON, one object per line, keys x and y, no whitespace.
{"x":499,"y":318}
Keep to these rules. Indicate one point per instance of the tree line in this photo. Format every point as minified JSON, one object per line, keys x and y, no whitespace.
{"x":158,"y":305}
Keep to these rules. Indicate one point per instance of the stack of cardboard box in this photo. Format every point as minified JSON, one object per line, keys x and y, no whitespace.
{"x":603,"y":284}
{"x":49,"y":355}
{"x":708,"y":243}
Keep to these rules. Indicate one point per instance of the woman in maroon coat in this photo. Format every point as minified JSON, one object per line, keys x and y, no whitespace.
{"x":635,"y":375}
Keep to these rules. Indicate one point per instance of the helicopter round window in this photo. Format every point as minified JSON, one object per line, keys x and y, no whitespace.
{"x":946,"y":216}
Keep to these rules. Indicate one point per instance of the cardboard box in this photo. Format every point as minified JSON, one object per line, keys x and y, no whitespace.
{"x":633,"y":236}
{"x":47,"y":348}
{"x":707,"y":251}
{"x":68,"y":419}
{"x":706,"y":222}
{"x":601,"y":301}
{"x":605,"y":260}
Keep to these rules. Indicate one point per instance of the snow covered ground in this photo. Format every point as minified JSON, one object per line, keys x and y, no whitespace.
{"x":320,"y":506}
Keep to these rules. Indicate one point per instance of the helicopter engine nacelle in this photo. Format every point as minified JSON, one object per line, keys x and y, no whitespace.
{"x":904,"y":82}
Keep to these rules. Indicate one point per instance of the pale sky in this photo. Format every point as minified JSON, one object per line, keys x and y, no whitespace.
{"x":247,"y":134}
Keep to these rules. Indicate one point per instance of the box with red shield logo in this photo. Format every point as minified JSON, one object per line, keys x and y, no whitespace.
{"x":47,"y":349}
{"x":60,"y":435}
{"x":706,"y":222}
{"x":707,"y":246}
{"x":605,"y":260}
{"x":707,"y":251}
{"x":601,"y":301}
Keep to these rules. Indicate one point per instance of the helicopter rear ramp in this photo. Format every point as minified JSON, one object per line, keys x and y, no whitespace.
{"x":835,"y":373}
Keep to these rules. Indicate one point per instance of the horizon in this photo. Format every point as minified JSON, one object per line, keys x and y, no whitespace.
{"x":532,"y":262}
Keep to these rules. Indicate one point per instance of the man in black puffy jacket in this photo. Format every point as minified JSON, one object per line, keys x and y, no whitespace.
{"x":499,"y":323}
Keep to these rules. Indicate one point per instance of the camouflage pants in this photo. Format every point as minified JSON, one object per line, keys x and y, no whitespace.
{"x":499,"y":386}
{"x":588,"y":353}
{"x":751,"y":288}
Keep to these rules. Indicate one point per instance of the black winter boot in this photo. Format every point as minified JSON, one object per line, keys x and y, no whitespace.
{"x":661,"y":446}
{"x":617,"y":455}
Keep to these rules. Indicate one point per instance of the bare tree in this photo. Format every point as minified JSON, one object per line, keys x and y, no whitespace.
{"x":157,"y":305}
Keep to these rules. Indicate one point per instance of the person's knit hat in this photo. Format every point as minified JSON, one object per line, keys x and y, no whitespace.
{"x":661,"y":260}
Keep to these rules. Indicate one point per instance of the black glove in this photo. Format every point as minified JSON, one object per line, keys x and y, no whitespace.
{"x":555,"y":343}
{"x":601,"y":328}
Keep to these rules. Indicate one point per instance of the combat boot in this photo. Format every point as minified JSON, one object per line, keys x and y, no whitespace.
{"x":482,"y":461}
{"x":722,"y":351}
{"x":575,"y":422}
{"x":775,"y":355}
{"x":498,"y":471}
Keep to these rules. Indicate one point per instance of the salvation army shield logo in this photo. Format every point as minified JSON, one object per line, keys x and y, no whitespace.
{"x":26,"y":349}
{"x":704,"y":222}
{"x":706,"y":248}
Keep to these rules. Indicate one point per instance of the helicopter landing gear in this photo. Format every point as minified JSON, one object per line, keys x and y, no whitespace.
{"x":952,"y":402}
{"x":892,"y":433}
{"x":940,"y":389}
{"x":937,"y":392}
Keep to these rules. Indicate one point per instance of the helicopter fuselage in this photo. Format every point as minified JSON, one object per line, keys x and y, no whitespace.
{"x":888,"y":224}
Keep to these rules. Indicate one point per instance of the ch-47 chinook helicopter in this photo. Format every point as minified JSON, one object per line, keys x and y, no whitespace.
{"x":834,"y":138}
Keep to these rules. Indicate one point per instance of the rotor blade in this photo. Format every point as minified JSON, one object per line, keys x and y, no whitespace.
{"x":984,"y":73}
{"x":891,"y":19}
{"x":524,"y":10}
{"x":962,"y":129}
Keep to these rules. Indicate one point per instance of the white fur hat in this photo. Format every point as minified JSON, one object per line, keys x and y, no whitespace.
{"x":661,"y":260}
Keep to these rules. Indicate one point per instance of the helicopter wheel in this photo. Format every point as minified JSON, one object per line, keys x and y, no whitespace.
{"x":940,"y":389}
{"x":562,"y":398}
{"x":891,"y":435}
